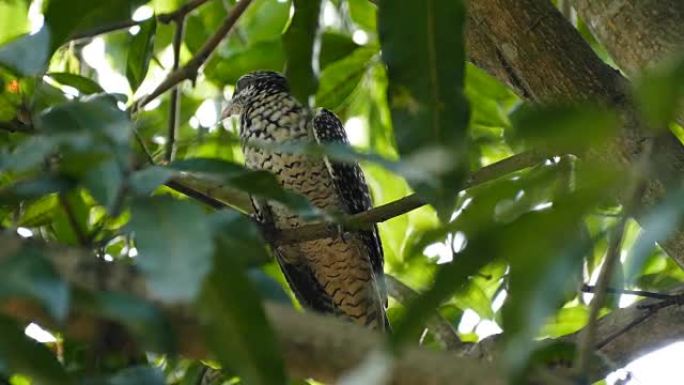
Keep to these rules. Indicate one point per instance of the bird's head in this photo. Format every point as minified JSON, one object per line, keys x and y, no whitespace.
{"x":251,"y":85}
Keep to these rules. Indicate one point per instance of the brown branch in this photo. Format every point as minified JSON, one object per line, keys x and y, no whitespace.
{"x":611,"y":290}
{"x":588,"y":337}
{"x":529,"y":45}
{"x":312,"y":345}
{"x":440,"y":327}
{"x":189,"y":70}
{"x":366,"y":219}
{"x":175,"y":102}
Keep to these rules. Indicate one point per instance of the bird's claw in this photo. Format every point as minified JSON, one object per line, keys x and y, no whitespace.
{"x":338,"y":229}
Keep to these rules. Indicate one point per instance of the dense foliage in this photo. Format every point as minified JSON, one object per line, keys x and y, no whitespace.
{"x":87,"y":161}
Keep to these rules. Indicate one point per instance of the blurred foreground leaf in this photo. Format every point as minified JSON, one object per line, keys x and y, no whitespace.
{"x":422,"y":45}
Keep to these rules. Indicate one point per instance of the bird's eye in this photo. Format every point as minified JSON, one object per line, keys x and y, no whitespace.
{"x":242,"y":83}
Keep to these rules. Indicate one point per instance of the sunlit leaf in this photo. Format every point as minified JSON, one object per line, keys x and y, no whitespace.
{"x":140,"y":53}
{"x":83,"y":84}
{"x":340,"y":78}
{"x":13,"y":18}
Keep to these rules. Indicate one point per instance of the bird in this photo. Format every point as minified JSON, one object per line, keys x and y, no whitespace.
{"x":341,"y":274}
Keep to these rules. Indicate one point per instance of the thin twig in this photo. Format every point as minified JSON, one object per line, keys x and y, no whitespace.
{"x":366,"y":219}
{"x":441,"y":328}
{"x":175,"y":105}
{"x":641,"y":293}
{"x":587,"y":338}
{"x":165,"y":18}
{"x":189,"y":70}
{"x":192,"y":193}
{"x":625,"y":329}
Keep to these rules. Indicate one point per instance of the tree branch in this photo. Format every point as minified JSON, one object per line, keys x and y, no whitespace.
{"x":366,"y":219}
{"x":440,"y":327}
{"x":587,"y":338}
{"x":529,"y":45}
{"x":636,"y":33}
{"x":189,"y":70}
{"x":175,"y":102}
{"x":165,"y":18}
{"x":312,"y":345}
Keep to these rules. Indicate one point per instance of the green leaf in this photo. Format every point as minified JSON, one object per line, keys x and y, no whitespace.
{"x":143,"y":319}
{"x":264,"y":55}
{"x":422,"y":45}
{"x":104,"y":182}
{"x":33,"y":188}
{"x":145,"y":181}
{"x":363,"y":13}
{"x":659,"y":92}
{"x":27,"y":55}
{"x":662,"y":221}
{"x":236,"y":327}
{"x":19,"y":354}
{"x":175,"y":246}
{"x":541,"y":276}
{"x":140,"y":53}
{"x":147,"y":375}
{"x":340,"y":79}
{"x":335,"y":46}
{"x":67,"y":18}
{"x":564,"y":127}
{"x":13,"y":18}
{"x":299,"y":40}
{"x":93,"y":135}
{"x":83,"y":84}
{"x":39,"y":212}
{"x":567,"y":320}
{"x":28,"y":274}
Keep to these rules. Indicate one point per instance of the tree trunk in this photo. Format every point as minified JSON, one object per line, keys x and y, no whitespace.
{"x":636,"y":33}
{"x":529,"y":45}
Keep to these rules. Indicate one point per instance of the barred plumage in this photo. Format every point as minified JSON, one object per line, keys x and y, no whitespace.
{"x":342,"y":275}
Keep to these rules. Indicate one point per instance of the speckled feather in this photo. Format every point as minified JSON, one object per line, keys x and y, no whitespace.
{"x":339,"y":275}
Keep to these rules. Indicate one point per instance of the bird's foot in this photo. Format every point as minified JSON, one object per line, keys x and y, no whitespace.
{"x":338,"y":230}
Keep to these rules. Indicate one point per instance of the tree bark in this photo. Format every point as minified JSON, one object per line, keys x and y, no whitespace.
{"x":326,"y":348}
{"x":637,"y":34}
{"x":312,"y":345}
{"x":529,"y":45}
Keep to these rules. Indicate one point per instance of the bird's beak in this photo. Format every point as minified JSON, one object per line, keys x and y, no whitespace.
{"x":232,"y":108}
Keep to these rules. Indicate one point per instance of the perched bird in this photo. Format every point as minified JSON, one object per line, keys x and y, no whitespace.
{"x":342,"y":275}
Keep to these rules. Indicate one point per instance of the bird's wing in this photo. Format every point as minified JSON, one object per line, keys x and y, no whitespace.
{"x":299,"y":276}
{"x":351,"y":187}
